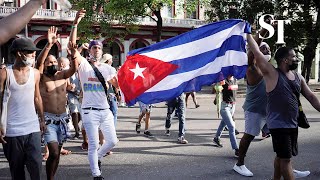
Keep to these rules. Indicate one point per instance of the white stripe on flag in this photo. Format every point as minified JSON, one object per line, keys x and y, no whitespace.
{"x":197,"y":47}
{"x":229,"y":59}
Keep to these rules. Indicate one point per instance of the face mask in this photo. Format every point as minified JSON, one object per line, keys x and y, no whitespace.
{"x":51,"y":70}
{"x":28,"y":61}
{"x":267,"y":57}
{"x":293,"y":66}
{"x":91,"y":57}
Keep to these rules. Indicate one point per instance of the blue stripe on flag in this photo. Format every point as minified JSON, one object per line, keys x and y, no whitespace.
{"x":192,"y":85}
{"x":235,"y":43}
{"x":190,"y":36}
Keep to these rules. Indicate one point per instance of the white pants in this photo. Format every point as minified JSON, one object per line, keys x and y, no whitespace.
{"x":93,"y":120}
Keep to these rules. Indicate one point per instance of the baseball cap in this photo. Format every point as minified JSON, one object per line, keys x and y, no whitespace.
{"x":95,"y":42}
{"x":23,"y":44}
{"x":106,"y":57}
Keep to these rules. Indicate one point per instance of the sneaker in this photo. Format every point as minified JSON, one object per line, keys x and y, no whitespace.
{"x":75,"y":137}
{"x":182,"y":140}
{"x":98,"y":178}
{"x":236,"y":153}
{"x":138,"y":126}
{"x":197,"y":105}
{"x":300,"y":174}
{"x":167,"y":133}
{"x":148,"y":134}
{"x":266,"y":135}
{"x":242,"y":170}
{"x":84,"y":146}
{"x":99,"y":165}
{"x":237,"y":132}
{"x":108,"y":154}
{"x":217,"y":142}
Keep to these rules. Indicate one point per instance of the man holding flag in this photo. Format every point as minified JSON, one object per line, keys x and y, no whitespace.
{"x":164,"y":70}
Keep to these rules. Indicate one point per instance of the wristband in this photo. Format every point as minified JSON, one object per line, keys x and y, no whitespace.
{"x":73,"y":27}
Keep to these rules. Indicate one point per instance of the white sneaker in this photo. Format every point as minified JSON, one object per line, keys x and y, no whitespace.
{"x":242,"y":170}
{"x":300,"y":174}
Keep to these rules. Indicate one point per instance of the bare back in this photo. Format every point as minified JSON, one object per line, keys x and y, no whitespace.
{"x":53,"y":93}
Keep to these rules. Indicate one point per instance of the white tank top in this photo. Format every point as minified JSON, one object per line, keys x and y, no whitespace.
{"x":22,"y":117}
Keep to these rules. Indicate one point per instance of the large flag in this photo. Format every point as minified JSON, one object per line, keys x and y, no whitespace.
{"x":185,"y":63}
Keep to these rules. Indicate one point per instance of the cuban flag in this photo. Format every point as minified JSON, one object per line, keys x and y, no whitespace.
{"x":185,"y":63}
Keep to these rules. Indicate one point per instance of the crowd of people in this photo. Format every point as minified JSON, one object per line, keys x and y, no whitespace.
{"x":85,"y":88}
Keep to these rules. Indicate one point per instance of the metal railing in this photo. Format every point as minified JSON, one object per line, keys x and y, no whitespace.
{"x":173,"y":22}
{"x":51,"y":14}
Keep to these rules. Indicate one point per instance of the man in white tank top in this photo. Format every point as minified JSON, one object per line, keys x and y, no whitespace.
{"x":53,"y":86}
{"x":21,"y":143}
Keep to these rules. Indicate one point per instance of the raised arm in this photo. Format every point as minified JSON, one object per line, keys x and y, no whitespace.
{"x":75,"y":56}
{"x":74,"y":30}
{"x":262,"y":63}
{"x":14,"y":23}
{"x":52,"y":39}
{"x":262,"y":32}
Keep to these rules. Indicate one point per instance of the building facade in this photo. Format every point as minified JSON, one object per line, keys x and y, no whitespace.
{"x":175,"y":22}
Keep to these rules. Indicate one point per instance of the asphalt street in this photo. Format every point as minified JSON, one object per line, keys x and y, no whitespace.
{"x":161,"y":157}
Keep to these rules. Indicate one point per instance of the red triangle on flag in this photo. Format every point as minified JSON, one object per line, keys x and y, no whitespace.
{"x":133,"y":84}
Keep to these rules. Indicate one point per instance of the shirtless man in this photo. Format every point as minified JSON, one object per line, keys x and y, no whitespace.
{"x":53,"y":92}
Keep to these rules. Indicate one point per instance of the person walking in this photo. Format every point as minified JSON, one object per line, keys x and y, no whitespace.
{"x":228,"y":106}
{"x":21,"y":134}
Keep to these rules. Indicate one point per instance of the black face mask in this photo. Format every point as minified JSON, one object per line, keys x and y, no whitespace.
{"x":51,"y":70}
{"x":293,"y":66}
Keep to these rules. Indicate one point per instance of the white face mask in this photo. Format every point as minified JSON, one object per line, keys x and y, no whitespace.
{"x":28,"y":61}
{"x":267,"y":57}
{"x":98,"y":58}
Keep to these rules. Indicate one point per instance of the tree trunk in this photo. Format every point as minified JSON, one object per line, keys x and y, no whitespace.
{"x":159,"y":25}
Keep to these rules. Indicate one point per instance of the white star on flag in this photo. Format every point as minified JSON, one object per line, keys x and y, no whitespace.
{"x":137,"y":71}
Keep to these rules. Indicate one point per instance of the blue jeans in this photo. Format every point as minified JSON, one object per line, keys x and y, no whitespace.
{"x":178,"y":104}
{"x":227,"y":111}
{"x":113,"y":107}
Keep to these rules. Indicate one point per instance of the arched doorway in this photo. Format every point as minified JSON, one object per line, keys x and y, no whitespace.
{"x":53,"y":51}
{"x":115,"y":50}
{"x":139,"y":43}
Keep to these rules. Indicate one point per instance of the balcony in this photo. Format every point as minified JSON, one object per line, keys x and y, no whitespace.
{"x":50,"y":14}
{"x":173,"y":22}
{"x":46,"y":14}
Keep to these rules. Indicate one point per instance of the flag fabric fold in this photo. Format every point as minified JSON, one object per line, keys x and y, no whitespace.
{"x":185,"y":63}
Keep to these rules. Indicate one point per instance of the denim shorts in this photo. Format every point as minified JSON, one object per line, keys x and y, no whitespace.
{"x":53,"y":134}
{"x":254,"y":122}
{"x":144,"y":107}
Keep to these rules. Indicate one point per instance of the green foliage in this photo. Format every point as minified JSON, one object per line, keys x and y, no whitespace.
{"x":117,"y":18}
{"x":303,"y":28}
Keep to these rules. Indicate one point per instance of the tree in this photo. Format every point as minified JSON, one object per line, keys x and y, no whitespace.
{"x":302,"y":34}
{"x":124,"y":13}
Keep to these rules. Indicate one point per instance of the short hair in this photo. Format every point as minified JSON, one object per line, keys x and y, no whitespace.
{"x":282,"y":53}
